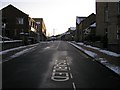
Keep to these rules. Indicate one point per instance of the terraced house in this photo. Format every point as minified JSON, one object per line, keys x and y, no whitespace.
{"x":108,"y":24}
{"x":82,"y":23}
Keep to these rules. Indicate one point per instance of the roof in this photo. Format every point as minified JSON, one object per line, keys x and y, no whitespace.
{"x":73,"y":28}
{"x":93,"y":25}
{"x":79,"y":19}
{"x":10,"y":5}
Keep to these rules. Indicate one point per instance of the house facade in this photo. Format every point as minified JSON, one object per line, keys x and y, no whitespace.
{"x":82,"y":23}
{"x":78,"y":27}
{"x":15,"y":23}
{"x":41,"y":28}
{"x":108,"y":24}
{"x":33,"y":31}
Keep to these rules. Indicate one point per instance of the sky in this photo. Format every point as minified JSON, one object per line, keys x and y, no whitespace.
{"x":58,"y":15}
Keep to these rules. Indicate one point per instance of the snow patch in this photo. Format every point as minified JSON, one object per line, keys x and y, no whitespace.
{"x":17,"y":48}
{"x":103,"y":51}
{"x":103,"y":61}
{"x":110,"y":53}
{"x":21,"y":52}
{"x":92,"y":54}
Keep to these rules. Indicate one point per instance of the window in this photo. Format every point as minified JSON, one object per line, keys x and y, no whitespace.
{"x":118,"y":32}
{"x":38,"y":22}
{"x":19,"y":20}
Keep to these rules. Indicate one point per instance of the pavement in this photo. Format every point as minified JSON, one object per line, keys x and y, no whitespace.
{"x":110,"y":61}
{"x":9,"y":53}
{"x":56,"y":64}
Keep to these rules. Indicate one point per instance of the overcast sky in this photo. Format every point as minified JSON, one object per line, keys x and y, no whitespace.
{"x":57,"y":14}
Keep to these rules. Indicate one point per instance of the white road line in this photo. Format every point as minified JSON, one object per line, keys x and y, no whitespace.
{"x":71,"y":75}
{"x":74,"y":86}
{"x":58,"y":44}
{"x":69,"y":69}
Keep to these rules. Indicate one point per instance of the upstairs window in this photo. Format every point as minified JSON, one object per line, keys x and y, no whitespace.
{"x":19,"y":20}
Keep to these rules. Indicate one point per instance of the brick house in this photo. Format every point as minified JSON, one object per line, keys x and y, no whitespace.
{"x":15,"y":23}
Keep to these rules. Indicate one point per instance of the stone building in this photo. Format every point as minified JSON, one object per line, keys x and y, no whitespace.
{"x":78,"y":26}
{"x":108,"y":24}
{"x":83,"y":23}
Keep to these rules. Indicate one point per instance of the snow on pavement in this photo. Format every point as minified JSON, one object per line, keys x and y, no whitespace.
{"x":103,"y":61}
{"x":19,"y":53}
{"x":103,"y":51}
{"x":17,"y":48}
{"x":92,"y":54}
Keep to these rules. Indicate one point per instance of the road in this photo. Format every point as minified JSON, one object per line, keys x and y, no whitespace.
{"x":57,"y":65}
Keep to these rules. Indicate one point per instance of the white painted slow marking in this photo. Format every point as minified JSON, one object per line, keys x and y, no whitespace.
{"x":74,"y":86}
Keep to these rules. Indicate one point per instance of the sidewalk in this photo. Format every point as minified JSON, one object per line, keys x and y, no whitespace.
{"x":14,"y":52}
{"x":107,"y":58}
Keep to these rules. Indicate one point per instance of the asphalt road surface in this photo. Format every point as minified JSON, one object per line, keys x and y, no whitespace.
{"x":57,"y":65}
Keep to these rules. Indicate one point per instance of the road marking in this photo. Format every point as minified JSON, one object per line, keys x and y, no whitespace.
{"x":69,"y":69}
{"x":46,"y":47}
{"x":58,"y":45}
{"x":60,"y":76}
{"x":71,"y":75}
{"x":74,"y":86}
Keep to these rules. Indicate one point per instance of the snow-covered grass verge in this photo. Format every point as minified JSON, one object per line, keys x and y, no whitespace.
{"x":103,"y":61}
{"x":100,"y":50}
